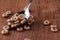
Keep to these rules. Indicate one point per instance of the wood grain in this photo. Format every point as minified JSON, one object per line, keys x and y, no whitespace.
{"x":41,"y":10}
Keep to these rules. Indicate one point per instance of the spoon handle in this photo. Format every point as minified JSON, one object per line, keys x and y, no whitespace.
{"x":28,"y":5}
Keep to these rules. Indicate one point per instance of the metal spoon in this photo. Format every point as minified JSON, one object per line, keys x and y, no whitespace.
{"x":26,"y":10}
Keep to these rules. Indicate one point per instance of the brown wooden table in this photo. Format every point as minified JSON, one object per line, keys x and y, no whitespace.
{"x":41,"y":10}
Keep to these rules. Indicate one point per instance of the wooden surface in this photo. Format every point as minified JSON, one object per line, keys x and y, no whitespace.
{"x":41,"y":10}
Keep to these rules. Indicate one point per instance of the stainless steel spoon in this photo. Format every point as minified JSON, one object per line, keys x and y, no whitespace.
{"x":26,"y":10}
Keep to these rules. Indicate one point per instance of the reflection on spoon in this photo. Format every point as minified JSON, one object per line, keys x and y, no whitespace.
{"x":27,"y":13}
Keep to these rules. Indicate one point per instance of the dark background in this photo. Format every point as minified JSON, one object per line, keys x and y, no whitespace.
{"x":41,"y":10}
